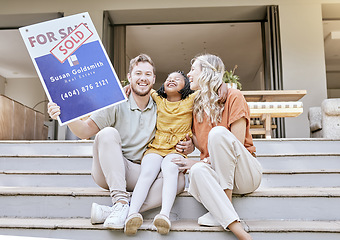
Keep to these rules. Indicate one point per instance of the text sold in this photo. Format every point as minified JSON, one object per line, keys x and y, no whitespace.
{"x":71,"y":43}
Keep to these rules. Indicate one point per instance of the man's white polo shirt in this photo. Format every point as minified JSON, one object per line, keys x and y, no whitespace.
{"x":136,"y":127}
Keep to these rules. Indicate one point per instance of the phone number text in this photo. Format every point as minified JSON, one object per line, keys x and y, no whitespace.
{"x":76,"y":92}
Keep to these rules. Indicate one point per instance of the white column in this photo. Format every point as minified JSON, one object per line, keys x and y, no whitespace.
{"x":303,"y":59}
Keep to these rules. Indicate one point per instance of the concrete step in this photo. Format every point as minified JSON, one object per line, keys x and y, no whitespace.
{"x":285,"y":203}
{"x":11,"y":237}
{"x":77,"y":162}
{"x":297,"y":162}
{"x":311,"y":164}
{"x":83,"y":178}
{"x":81,"y":228}
{"x":314,"y":170}
{"x":47,"y":163}
{"x":77,"y":155}
{"x":46,"y":148}
{"x":84,"y":147}
{"x":301,"y":178}
{"x":296,"y":145}
{"x":30,"y":178}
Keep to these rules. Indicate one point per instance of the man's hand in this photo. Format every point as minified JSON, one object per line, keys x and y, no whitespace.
{"x":185,"y":147}
{"x":53,"y":110}
{"x":82,"y":129}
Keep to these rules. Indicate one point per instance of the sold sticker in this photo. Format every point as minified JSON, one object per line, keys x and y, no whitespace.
{"x":71,"y":43}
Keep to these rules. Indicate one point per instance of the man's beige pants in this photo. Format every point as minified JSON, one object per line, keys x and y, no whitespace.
{"x":232,"y":167}
{"x":112,"y":171}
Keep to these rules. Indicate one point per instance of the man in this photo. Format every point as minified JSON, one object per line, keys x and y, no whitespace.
{"x":123,"y":133}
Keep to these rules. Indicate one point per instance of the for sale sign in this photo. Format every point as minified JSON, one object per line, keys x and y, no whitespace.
{"x":73,"y":66}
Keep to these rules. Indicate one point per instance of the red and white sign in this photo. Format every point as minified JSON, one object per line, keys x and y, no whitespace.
{"x":71,"y":42}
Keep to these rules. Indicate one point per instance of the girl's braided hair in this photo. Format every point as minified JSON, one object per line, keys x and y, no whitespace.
{"x":185,"y":91}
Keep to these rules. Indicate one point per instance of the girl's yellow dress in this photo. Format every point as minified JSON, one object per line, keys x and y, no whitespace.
{"x":174,"y":121}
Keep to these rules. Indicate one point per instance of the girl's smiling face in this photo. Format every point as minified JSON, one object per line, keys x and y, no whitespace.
{"x":174,"y":83}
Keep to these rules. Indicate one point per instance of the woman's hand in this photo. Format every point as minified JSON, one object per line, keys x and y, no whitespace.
{"x":53,"y":110}
{"x":206,"y":160}
{"x":185,"y":147}
{"x":223,"y":93}
{"x":183,"y":163}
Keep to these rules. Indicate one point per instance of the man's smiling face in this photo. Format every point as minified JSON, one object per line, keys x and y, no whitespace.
{"x":142,"y":78}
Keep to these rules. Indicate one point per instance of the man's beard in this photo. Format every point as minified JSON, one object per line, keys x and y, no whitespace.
{"x":140,"y":92}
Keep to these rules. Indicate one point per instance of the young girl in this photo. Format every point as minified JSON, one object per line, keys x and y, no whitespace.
{"x":174,"y":119}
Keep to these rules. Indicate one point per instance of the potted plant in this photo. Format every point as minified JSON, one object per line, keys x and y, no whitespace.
{"x":230,"y":78}
{"x":124,"y":82}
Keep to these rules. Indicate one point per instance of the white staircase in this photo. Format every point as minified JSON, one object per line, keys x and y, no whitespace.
{"x":46,"y":190}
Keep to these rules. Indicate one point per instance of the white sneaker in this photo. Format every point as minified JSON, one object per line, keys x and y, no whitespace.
{"x":208,"y":220}
{"x":116,"y":219}
{"x":162,"y":223}
{"x":99,"y":213}
{"x":132,"y":223}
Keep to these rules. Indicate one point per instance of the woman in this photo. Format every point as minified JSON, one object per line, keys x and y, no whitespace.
{"x":221,"y":133}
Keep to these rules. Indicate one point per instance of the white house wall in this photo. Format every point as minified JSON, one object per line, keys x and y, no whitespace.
{"x":28,"y":91}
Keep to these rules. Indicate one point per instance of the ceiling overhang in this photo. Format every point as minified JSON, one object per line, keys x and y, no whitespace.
{"x":187,"y":15}
{"x":19,"y":20}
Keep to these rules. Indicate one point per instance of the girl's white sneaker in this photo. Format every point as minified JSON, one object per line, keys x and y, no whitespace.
{"x":132,"y":223}
{"x":162,"y":223}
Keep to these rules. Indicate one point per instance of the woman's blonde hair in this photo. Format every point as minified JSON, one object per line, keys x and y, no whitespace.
{"x":209,"y":81}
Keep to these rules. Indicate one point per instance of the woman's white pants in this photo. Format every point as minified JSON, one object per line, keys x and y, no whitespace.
{"x":232,"y":167}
